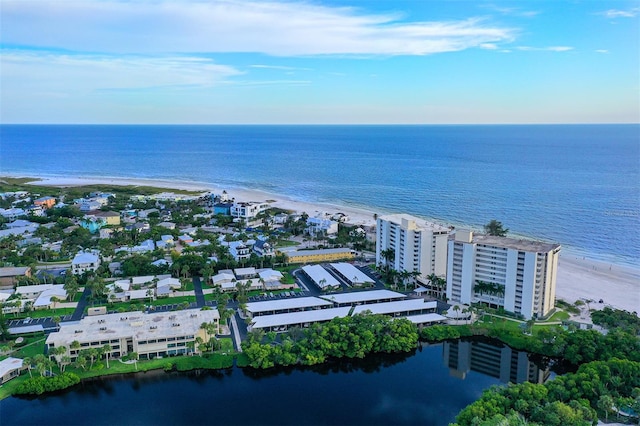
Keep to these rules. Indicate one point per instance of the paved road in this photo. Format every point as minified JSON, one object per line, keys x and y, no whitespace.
{"x":235,"y":334}
{"x":197,"y":289}
{"x":82,"y":303}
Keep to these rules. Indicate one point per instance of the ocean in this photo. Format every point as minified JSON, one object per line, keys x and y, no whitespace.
{"x":576,"y":185}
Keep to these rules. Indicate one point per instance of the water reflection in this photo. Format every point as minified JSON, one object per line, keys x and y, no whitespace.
{"x":492,"y":359}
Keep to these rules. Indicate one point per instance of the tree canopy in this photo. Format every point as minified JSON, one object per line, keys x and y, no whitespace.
{"x":495,"y":228}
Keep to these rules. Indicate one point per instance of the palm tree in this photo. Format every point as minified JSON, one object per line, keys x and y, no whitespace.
{"x":27,"y":361}
{"x":150,"y":295}
{"x":495,"y":228}
{"x":456,"y":308}
{"x":389,"y":256}
{"x":134,"y":357}
{"x":106,"y":349}
{"x":55,"y":300}
{"x":64,"y":361}
{"x":404,"y":275}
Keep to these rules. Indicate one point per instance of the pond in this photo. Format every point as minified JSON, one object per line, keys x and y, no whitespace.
{"x":428,"y":387}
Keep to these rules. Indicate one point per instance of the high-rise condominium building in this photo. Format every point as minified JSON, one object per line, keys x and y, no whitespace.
{"x":417,"y":245}
{"x":517,"y":275}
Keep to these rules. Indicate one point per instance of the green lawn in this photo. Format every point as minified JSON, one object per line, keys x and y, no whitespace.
{"x":226,"y":345}
{"x":31,"y":349}
{"x":139,"y":304}
{"x":43,"y":313}
{"x":558,"y":316}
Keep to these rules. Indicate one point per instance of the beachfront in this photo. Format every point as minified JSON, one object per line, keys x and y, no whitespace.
{"x":578,"y":278}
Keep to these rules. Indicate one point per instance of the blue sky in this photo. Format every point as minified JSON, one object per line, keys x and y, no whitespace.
{"x":316,"y":62}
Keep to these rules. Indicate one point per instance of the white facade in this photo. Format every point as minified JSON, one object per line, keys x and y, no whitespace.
{"x":85,"y":261}
{"x":524,"y":272}
{"x":316,"y":224}
{"x":418,"y":245}
{"x":248,"y":210}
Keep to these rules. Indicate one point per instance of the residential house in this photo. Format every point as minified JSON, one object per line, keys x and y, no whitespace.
{"x":9,"y":275}
{"x":45,"y":202}
{"x":11,"y":368}
{"x":263,"y":248}
{"x":316,"y":225}
{"x":84,"y":262}
{"x":12,"y":213}
{"x":222,"y":208}
{"x":248,"y":210}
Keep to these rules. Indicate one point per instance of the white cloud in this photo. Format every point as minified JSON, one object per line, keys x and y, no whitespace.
{"x":547,"y":49}
{"x":614,"y":13}
{"x":62,"y":73}
{"x":511,"y":11}
{"x":274,"y":28}
{"x":488,"y":46}
{"x":602,"y":51}
{"x":279,"y":67}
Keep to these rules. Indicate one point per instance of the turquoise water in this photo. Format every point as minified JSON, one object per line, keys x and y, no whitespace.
{"x":577,"y":185}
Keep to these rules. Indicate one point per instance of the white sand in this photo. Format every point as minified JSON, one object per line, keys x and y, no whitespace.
{"x":580,"y":279}
{"x":618,"y":286}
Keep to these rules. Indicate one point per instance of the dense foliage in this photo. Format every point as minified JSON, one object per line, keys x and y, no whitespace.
{"x":38,"y":385}
{"x":572,"y":399}
{"x":350,"y":337}
{"x":438,"y":333}
{"x":616,"y":318}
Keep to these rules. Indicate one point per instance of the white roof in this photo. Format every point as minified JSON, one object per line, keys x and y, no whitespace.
{"x":82,"y":258}
{"x":299,"y":317}
{"x":425,"y":318}
{"x":319,"y":251}
{"x":138,"y":294}
{"x":223,"y":277}
{"x":169,"y":282}
{"x":228,"y":284}
{"x":363,"y":296}
{"x":351,"y":273}
{"x":283,"y":304}
{"x":245,"y":271}
{"x":139,"y":280}
{"x":317,"y":273}
{"x":420,"y":224}
{"x":10,"y":364}
{"x":399,"y":306}
{"x":26,"y":329}
{"x":420,"y":290}
{"x":39,"y":288}
{"x":44,"y":299}
{"x":270,"y":275}
{"x":133,"y":324}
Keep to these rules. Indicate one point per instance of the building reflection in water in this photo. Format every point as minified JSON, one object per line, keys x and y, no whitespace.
{"x":501,"y":362}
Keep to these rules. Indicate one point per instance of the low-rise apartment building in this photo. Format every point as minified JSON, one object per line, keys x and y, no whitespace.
{"x":149,"y":335}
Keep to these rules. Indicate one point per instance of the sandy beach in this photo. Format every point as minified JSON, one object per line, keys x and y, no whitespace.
{"x":578,"y":278}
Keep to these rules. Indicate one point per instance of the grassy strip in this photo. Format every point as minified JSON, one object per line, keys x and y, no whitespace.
{"x":30,"y":184}
{"x":139,"y":304}
{"x":44,"y":313}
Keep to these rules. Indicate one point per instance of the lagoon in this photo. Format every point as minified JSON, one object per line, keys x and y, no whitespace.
{"x":429,"y":388}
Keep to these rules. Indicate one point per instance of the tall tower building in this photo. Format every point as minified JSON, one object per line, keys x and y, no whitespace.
{"x":417,"y":245}
{"x":517,"y":275}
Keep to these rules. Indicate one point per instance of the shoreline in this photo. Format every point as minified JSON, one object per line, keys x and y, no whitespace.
{"x":579,"y":277}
